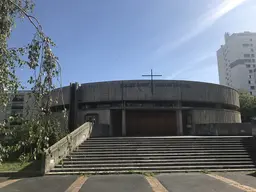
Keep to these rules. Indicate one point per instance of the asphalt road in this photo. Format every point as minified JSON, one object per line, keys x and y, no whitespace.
{"x":194,"y":183}
{"x":179,"y":182}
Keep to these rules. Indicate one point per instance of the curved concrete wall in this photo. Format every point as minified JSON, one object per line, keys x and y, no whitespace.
{"x":166,"y":90}
{"x":206,"y":116}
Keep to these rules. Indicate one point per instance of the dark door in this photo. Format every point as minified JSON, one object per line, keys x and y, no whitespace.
{"x":116,"y":122}
{"x":150,"y":123}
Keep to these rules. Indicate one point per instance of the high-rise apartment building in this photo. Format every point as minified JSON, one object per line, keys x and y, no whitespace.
{"x":236,"y":62}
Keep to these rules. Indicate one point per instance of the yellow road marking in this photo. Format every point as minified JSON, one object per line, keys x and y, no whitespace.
{"x":156,"y":185}
{"x":77,"y":184}
{"x":233,"y":183}
{"x":8,"y":182}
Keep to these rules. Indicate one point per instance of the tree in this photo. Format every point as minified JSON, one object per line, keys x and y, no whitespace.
{"x":247,"y":106}
{"x":32,"y":136}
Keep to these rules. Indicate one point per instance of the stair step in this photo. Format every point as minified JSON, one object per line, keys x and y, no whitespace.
{"x":160,"y":155}
{"x":159,"y":151}
{"x":154,"y":154}
{"x":109,"y":161}
{"x":106,"y":145}
{"x":156,"y":157}
{"x":151,"y":171}
{"x":172,"y":137}
{"x":172,"y":141}
{"x":163,"y":149}
{"x":105,"y":165}
{"x":187,"y":167}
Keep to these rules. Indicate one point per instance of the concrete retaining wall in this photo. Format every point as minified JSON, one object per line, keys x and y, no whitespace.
{"x":225,"y":129}
{"x":205,"y":116}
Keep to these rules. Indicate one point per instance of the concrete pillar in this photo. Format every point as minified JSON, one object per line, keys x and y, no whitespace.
{"x":110,"y":124}
{"x":179,"y":122}
{"x":123,"y":122}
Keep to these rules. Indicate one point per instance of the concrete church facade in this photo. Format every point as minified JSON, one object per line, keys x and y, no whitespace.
{"x":148,"y":108}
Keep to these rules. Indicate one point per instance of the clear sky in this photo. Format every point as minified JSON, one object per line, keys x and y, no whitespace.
{"x":99,"y":40}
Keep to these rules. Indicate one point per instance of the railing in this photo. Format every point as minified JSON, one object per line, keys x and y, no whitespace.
{"x":58,"y":151}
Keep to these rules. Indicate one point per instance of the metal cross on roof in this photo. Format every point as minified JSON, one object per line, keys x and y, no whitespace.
{"x":152,"y":79}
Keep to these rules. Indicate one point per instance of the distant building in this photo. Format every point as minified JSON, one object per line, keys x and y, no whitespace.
{"x":18,"y":106}
{"x":139,"y":107}
{"x":146,"y":108}
{"x":236,"y":62}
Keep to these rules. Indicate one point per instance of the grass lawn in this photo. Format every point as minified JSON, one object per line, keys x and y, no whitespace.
{"x":13,"y":166}
{"x":21,"y":167}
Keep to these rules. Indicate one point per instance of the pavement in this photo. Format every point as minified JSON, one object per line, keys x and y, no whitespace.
{"x":176,"y":182}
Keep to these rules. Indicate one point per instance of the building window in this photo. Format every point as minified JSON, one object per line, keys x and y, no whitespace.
{"x":250,"y":76}
{"x":248,"y":66}
{"x":246,"y":55}
{"x":252,"y":87}
{"x":251,"y":93}
{"x":254,"y":70}
{"x":252,"y":50}
{"x":249,"y":82}
{"x":250,"y":71}
{"x":247,"y":60}
{"x":253,"y":60}
{"x":250,"y":39}
{"x":246,"y":45}
{"x":252,"y":55}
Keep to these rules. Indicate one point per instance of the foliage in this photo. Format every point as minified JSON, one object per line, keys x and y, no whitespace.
{"x":38,"y":128}
{"x":247,"y":106}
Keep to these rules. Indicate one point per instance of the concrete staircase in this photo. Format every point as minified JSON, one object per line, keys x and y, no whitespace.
{"x":160,"y":155}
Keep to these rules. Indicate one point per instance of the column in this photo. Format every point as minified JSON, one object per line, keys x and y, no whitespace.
{"x":110,"y":124}
{"x":123,"y":122}
{"x":179,"y":122}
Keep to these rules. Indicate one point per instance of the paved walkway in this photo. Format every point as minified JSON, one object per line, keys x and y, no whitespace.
{"x":193,"y":182}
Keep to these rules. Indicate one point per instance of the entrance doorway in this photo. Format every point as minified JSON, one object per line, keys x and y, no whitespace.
{"x":150,"y":123}
{"x":116,"y":122}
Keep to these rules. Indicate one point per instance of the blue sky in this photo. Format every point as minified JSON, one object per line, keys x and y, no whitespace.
{"x":99,"y":40}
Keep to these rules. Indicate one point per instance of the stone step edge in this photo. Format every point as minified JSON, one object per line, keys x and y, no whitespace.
{"x":153,"y":160}
{"x":150,"y":171}
{"x":169,"y":148}
{"x":186,"y":155}
{"x":153,"y":167}
{"x":68,"y":165}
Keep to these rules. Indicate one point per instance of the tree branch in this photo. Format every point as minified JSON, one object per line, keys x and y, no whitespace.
{"x":30,"y":17}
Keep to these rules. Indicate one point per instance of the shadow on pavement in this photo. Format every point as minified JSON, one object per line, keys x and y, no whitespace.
{"x":252,"y":174}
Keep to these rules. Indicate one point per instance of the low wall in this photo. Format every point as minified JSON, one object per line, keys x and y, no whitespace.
{"x":100,"y":130}
{"x":225,"y":129}
{"x":58,"y":151}
{"x":212,"y":116}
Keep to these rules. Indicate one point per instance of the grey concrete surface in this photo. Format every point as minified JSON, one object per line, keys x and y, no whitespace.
{"x":178,"y":182}
{"x":116,"y":183}
{"x":194,"y":182}
{"x":248,"y":179}
{"x":41,"y":184}
{"x":2,"y":179}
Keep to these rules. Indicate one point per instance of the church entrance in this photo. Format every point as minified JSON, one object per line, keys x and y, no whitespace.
{"x":150,"y":123}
